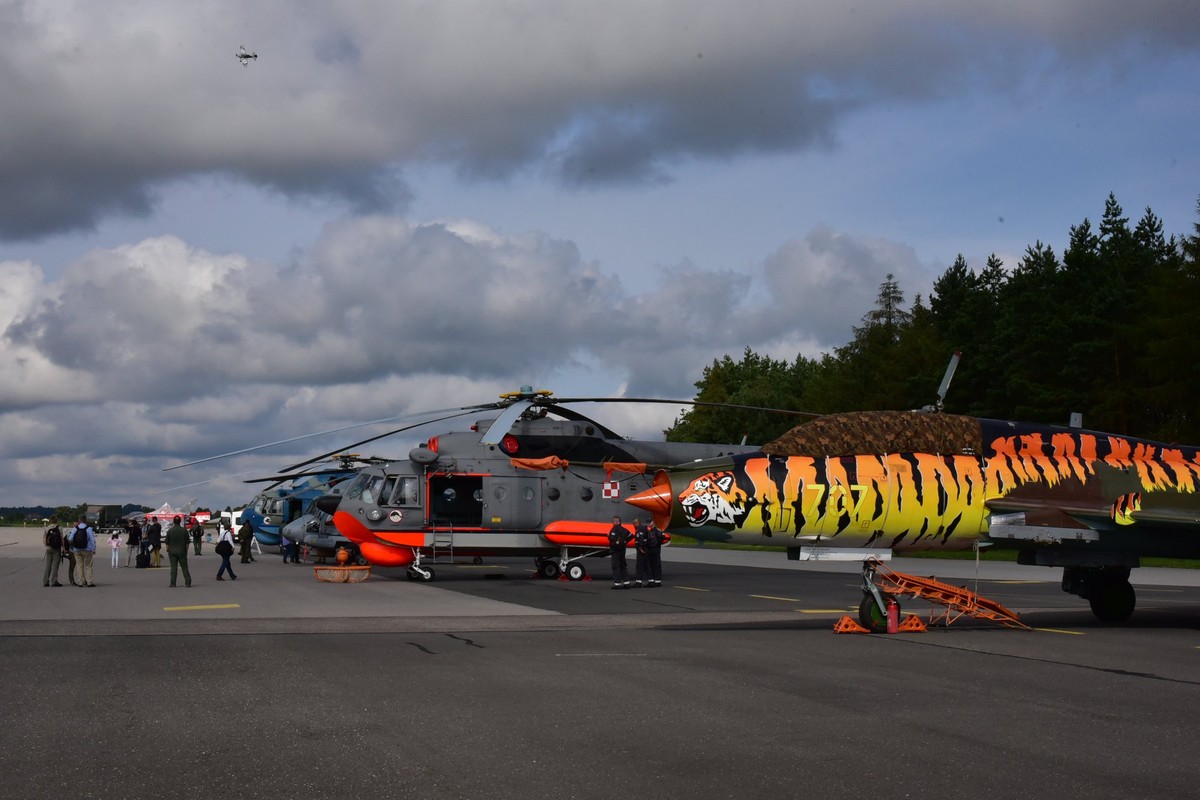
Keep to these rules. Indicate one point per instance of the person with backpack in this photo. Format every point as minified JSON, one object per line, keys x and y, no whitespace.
{"x":133,"y":540}
{"x":618,"y":539}
{"x":83,"y":546}
{"x":53,"y":539}
{"x":154,"y":542}
{"x":177,"y":551}
{"x":225,"y":550}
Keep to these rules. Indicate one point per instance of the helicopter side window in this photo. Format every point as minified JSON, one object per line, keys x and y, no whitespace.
{"x":371,"y":493}
{"x":405,"y":492}
{"x":355,"y":490}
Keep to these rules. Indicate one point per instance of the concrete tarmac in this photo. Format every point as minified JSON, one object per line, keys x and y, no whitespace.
{"x":728,"y":682}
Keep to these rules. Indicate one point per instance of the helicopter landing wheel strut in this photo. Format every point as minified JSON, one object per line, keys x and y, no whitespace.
{"x":421,"y":574}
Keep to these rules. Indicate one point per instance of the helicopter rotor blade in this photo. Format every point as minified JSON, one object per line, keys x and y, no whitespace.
{"x":462,"y":412}
{"x":508,"y":416}
{"x":661,"y":401}
{"x":245,"y":450}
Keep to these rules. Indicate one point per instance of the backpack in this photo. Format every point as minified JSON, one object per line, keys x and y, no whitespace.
{"x":224,"y":548}
{"x":79,"y":538}
{"x":54,"y":538}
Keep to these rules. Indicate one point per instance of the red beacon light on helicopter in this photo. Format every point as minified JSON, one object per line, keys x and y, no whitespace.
{"x":509,"y":444}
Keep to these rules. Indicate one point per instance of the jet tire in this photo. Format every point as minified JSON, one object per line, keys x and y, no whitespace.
{"x":1113,"y":601}
{"x":869,"y":614}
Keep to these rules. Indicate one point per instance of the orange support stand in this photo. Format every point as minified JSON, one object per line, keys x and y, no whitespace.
{"x":959,"y":601}
{"x":848,"y":625}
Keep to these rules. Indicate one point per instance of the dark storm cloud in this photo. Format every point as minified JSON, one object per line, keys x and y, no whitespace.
{"x":103,"y":103}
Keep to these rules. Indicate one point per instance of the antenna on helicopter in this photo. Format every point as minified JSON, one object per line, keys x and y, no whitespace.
{"x":945,"y":385}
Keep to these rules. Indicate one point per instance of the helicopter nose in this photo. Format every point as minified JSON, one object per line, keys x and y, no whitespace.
{"x":656,"y":499}
{"x":328,"y":502}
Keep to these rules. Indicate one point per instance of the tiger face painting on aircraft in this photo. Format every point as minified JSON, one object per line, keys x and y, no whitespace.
{"x":1090,"y":502}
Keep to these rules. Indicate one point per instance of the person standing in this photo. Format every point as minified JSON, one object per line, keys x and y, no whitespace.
{"x":83,"y":545}
{"x":196,"y":530}
{"x":618,"y":538}
{"x":225,"y":549}
{"x":133,"y":539}
{"x":154,"y":540}
{"x":53,"y":539}
{"x":641,"y":544}
{"x":246,"y":539}
{"x":177,"y":551}
{"x":655,"y":537}
{"x":114,"y":542}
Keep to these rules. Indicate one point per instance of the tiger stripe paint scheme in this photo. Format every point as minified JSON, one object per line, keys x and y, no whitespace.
{"x":1061,"y":477}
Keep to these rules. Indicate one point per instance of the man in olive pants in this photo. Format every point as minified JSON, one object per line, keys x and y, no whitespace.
{"x":177,"y":550}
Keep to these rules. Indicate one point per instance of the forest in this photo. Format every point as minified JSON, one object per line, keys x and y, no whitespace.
{"x":1108,"y":329}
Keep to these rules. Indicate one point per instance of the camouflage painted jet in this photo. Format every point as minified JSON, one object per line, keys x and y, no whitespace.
{"x":1092,"y":503}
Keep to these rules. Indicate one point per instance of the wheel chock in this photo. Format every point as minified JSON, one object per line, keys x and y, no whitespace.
{"x":848,"y":625}
{"x":912,"y":624}
{"x":587,"y":577}
{"x":562,"y":576}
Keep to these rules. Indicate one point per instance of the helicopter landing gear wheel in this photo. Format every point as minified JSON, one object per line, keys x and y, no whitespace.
{"x":547,"y":569}
{"x":477,"y":560}
{"x":576,"y":572}
{"x":421,"y":574}
{"x":870,"y":616}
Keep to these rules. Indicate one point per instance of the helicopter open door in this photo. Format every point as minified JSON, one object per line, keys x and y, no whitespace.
{"x":512,"y":502}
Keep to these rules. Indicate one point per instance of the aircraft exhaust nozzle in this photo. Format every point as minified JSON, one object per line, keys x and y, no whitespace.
{"x":656,"y":499}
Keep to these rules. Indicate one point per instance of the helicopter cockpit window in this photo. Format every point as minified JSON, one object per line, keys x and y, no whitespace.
{"x":373,"y":491}
{"x":360,"y":483}
{"x":404,"y":492}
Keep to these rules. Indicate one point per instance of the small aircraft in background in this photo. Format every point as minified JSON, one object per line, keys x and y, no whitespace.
{"x":245,"y":56}
{"x":1092,"y":503}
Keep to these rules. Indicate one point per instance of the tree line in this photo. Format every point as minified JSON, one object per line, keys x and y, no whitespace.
{"x":1108,"y":329}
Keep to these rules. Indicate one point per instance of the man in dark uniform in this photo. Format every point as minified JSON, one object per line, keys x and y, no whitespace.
{"x":655,"y":538}
{"x":177,"y":550}
{"x":641,"y":544}
{"x":245,"y":539}
{"x":618,"y":538}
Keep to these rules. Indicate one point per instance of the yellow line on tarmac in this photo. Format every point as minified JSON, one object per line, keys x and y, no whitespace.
{"x":200,"y":608}
{"x":691,"y":589}
{"x":1056,"y":630}
{"x":769,"y":597}
{"x":823,"y":610}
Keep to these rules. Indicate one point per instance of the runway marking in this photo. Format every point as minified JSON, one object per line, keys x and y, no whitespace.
{"x":201,"y":608}
{"x":1057,"y":630}
{"x":823,"y":610}
{"x":770,"y":597}
{"x":691,"y":589}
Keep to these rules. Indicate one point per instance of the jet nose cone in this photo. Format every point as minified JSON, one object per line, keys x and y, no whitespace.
{"x":656,"y":499}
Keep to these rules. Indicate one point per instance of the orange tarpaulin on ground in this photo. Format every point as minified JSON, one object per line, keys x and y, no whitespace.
{"x":550,"y":462}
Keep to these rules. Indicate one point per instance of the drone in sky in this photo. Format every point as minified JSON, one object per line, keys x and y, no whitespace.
{"x":243,"y":55}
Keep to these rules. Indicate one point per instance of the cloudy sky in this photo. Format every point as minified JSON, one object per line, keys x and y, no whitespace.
{"x":410,"y":205}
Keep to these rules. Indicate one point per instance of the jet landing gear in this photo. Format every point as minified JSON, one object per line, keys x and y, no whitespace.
{"x":1107,"y":590}
{"x":565,"y":564}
